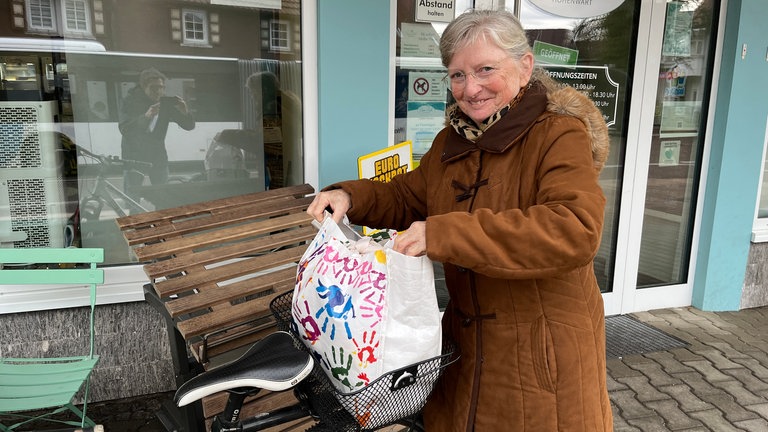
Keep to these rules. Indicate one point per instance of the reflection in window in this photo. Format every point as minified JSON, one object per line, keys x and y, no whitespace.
{"x":73,"y":16}
{"x":40,"y":14}
{"x":76,"y":13}
{"x":279,"y":36}
{"x":195,"y":27}
{"x":208,"y":124}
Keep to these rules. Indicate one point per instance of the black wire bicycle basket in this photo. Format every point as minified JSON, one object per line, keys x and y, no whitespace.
{"x":393,"y":397}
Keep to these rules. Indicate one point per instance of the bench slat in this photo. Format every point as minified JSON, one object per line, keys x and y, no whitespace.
{"x":217,"y":265}
{"x":266,"y":401}
{"x":237,"y":314}
{"x":263,"y":244}
{"x":185,"y":211}
{"x":199,"y":241}
{"x":233,"y":339}
{"x":229,"y":271}
{"x":227,"y":293}
{"x":215,"y":219}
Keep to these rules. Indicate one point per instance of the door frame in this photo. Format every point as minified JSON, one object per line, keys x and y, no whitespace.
{"x":625,"y":297}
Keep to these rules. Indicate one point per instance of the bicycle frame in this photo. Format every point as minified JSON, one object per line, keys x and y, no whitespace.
{"x":229,"y":420}
{"x":105,"y":192}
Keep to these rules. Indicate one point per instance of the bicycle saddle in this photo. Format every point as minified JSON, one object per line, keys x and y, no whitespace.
{"x":273,"y":363}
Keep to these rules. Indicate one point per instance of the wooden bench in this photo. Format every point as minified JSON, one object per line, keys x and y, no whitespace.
{"x":213,"y":268}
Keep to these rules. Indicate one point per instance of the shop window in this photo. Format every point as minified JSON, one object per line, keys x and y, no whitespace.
{"x":279,"y":36}
{"x":73,"y":116}
{"x":66,"y":17}
{"x":195,"y":27}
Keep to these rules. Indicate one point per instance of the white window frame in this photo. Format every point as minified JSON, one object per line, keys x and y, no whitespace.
{"x":53,"y":27}
{"x":760,"y":223}
{"x":281,"y":27}
{"x":86,"y":9}
{"x":203,"y":17}
{"x":59,"y":21}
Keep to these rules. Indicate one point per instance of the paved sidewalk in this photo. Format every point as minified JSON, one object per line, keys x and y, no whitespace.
{"x":718,"y":383}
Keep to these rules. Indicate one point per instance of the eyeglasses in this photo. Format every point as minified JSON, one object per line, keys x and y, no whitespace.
{"x":481,"y":75}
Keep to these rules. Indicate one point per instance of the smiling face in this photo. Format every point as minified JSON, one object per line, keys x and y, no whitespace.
{"x":502,"y":77}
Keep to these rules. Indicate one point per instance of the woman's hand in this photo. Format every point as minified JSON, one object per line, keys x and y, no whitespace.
{"x":338,"y":200}
{"x":413,"y":241}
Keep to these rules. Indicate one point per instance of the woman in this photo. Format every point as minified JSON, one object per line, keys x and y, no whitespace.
{"x":508,"y":199}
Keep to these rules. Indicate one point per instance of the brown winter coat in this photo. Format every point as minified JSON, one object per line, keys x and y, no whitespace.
{"x":516,"y":218}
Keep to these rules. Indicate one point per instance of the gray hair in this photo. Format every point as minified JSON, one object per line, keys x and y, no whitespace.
{"x":499,"y":27}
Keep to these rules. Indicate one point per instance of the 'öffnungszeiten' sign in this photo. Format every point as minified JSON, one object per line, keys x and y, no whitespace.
{"x":595,"y":82}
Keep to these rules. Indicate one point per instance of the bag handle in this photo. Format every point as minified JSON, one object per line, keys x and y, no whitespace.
{"x":344,"y":227}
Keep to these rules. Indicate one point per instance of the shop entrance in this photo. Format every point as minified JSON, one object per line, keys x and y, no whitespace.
{"x":669,"y":116}
{"x":647,"y":66}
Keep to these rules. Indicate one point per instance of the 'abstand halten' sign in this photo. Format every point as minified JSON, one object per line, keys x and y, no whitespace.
{"x":435,"y":10}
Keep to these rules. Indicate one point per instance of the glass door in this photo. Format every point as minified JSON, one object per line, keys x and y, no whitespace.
{"x":647,"y":66}
{"x":594,"y":54}
{"x":674,"y":151}
{"x":653,"y":62}
{"x":589,"y":48}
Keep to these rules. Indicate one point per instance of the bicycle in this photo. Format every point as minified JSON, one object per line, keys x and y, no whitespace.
{"x":104,"y":192}
{"x":281,"y":362}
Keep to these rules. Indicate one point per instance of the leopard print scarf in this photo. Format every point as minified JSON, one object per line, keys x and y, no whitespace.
{"x":467,"y":128}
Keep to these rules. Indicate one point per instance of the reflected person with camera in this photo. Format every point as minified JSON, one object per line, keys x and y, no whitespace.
{"x":145,"y":115}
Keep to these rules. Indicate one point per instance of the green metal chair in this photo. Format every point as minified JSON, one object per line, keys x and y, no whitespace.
{"x":48,"y":385}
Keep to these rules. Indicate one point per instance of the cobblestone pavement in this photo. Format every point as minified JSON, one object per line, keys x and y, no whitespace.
{"x":717,"y":383}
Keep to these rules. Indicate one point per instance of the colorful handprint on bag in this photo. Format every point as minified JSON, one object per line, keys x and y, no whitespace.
{"x":366,"y":351}
{"x":308,"y":327}
{"x":337,"y":305}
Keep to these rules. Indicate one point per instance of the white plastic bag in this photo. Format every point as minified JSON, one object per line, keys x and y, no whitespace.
{"x":364,"y":309}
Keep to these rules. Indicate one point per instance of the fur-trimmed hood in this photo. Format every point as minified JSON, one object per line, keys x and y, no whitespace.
{"x":540,"y":97}
{"x":567,"y":100}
